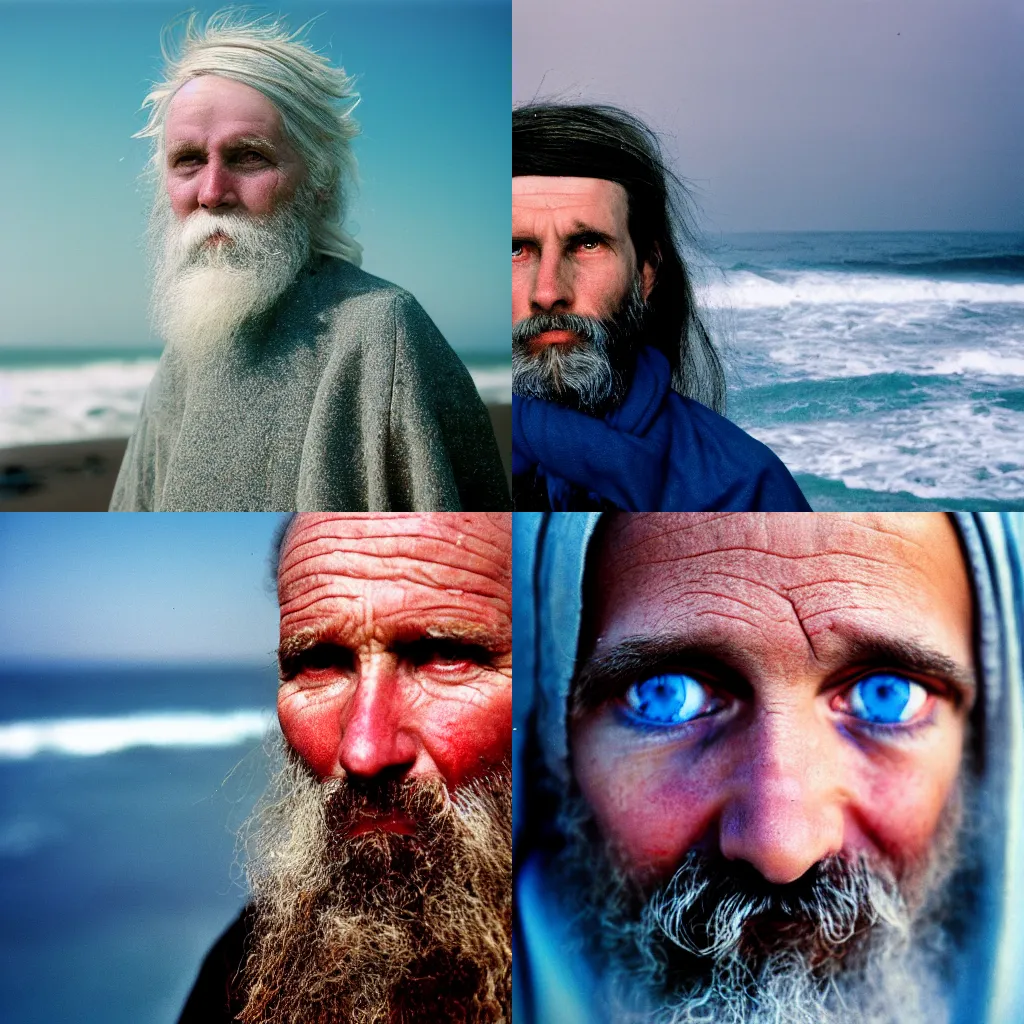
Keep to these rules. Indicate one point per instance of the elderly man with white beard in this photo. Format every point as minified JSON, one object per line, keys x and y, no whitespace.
{"x":770,"y":768}
{"x":380,"y":860}
{"x":290,"y":380}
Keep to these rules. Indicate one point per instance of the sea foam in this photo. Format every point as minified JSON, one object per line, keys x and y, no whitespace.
{"x":90,"y":737}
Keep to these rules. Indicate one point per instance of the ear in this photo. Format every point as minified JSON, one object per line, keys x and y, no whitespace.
{"x":649,"y":271}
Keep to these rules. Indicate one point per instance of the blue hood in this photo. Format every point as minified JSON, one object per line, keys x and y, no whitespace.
{"x":552,"y":985}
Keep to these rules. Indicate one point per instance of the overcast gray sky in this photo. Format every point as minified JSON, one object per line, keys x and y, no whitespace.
{"x":806,"y":114}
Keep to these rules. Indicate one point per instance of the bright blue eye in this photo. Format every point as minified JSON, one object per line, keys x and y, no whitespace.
{"x":887,"y":699}
{"x":667,"y":699}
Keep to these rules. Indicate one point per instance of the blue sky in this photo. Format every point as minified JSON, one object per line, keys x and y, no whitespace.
{"x":794,"y":115}
{"x":179,"y":587}
{"x":434,"y":158}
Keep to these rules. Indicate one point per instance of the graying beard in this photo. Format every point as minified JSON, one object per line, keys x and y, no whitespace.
{"x":888,"y":973}
{"x":588,"y":376}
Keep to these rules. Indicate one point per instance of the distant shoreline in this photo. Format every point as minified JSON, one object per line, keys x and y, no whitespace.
{"x":79,"y":476}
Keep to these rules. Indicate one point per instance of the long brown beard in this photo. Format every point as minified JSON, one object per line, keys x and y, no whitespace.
{"x":380,"y":927}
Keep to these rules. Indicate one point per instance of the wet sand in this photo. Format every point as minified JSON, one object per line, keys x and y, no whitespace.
{"x":79,"y":476}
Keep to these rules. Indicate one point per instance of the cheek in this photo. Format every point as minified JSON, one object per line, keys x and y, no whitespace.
{"x":520,"y":294}
{"x":466,"y":742}
{"x":313,"y":730}
{"x":182,"y":196}
{"x":601,"y":286}
{"x":651,"y":807}
{"x":261,"y":193}
{"x":903,"y":810}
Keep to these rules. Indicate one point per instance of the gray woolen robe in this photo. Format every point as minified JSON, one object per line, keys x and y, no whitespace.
{"x":344,"y":396}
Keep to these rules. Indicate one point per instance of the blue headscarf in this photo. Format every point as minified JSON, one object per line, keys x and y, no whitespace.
{"x":554,"y":985}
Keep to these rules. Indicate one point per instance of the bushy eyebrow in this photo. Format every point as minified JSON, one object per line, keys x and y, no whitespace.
{"x":608,"y":673}
{"x":580,"y":232}
{"x":179,"y":149}
{"x":468,"y":634}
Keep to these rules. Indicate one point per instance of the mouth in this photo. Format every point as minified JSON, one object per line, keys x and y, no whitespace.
{"x":394,"y":821}
{"x":554,"y":338}
{"x":217,"y":238}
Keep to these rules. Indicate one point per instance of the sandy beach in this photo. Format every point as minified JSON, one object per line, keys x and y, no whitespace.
{"x":78,"y":476}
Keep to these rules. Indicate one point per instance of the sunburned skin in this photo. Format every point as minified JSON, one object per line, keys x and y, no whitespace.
{"x":571,"y":249}
{"x":396,"y":645}
{"x":226,"y":150}
{"x":777,"y":617}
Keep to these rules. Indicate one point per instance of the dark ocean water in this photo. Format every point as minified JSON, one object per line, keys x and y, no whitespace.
{"x":118,"y":869}
{"x":886,"y":370}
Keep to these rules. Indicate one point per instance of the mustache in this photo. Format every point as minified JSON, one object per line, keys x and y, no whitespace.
{"x":351,"y":799}
{"x":589,"y":329}
{"x":714,"y":910}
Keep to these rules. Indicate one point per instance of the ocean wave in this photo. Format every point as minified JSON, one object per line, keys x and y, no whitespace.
{"x":954,"y":449}
{"x":981,"y":266}
{"x":55,"y":404}
{"x":91,"y":737}
{"x":40,"y":405}
{"x":747,"y":290}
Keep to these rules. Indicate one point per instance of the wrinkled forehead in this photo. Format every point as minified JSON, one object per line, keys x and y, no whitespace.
{"x":449,"y":551}
{"x":568,"y":203}
{"x":821,"y":572}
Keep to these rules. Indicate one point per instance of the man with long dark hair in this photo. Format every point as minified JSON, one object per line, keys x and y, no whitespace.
{"x":618,"y":389}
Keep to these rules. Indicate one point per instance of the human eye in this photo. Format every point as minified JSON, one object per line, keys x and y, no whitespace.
{"x":251,"y":156}
{"x":317,"y":660}
{"x":885,"y":699}
{"x":589,"y":242}
{"x":445,"y":656}
{"x":669,"y":699}
{"x":518,"y":249}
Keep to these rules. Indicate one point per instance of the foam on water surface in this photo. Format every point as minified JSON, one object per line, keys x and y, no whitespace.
{"x":91,"y":737}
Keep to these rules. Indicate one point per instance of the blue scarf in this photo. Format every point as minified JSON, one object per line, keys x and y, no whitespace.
{"x":656,"y":452}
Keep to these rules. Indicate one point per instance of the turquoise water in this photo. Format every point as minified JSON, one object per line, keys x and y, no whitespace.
{"x":886,"y":370}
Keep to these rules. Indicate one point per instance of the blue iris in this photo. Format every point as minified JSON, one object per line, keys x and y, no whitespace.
{"x":667,"y":699}
{"x":886,"y":699}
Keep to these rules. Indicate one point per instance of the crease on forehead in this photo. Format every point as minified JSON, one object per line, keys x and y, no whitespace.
{"x":473,"y":550}
{"x":831,"y":581}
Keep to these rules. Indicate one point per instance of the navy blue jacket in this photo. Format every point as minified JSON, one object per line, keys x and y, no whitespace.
{"x":656,"y":452}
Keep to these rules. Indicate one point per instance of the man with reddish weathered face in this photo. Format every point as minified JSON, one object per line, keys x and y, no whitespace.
{"x":760,"y":768}
{"x":380,"y":864}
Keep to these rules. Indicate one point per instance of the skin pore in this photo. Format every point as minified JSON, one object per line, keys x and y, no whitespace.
{"x":571,"y":250}
{"x":226,"y":151}
{"x":396,"y":645}
{"x":736,"y":696}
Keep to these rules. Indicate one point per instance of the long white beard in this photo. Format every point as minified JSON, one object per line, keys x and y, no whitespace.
{"x":203,"y":293}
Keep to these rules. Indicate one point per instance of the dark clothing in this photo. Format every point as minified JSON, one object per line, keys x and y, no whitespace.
{"x":656,"y":452}
{"x":215,"y":997}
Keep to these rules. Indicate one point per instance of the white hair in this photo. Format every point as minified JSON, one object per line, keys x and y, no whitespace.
{"x":314,"y":99}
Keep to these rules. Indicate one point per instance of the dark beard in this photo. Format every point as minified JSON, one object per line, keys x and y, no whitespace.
{"x":591,"y":375}
{"x":380,"y":926}
{"x":716,"y":942}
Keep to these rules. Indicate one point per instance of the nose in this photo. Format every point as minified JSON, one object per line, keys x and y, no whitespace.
{"x":216,"y":187}
{"x":785,"y":810}
{"x":553,"y":285}
{"x":378,"y":736}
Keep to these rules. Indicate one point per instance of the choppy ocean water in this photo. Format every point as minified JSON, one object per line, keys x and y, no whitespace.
{"x":120,"y":792}
{"x":886,"y":370}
